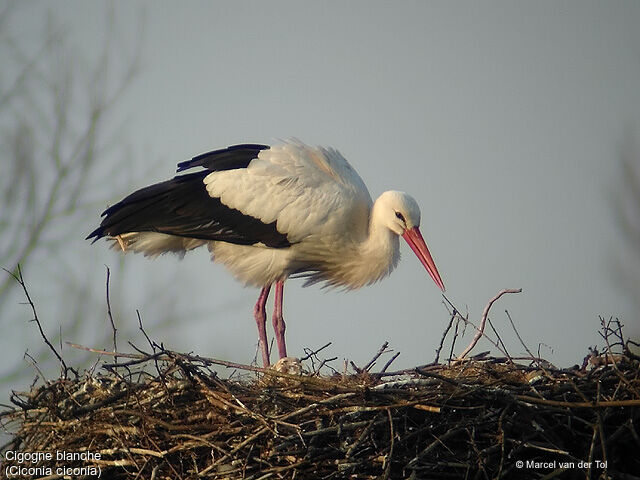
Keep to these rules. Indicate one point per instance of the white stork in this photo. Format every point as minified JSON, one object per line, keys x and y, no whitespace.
{"x":269,"y":213}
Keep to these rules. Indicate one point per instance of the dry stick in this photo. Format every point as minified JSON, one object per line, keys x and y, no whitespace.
{"x":110,"y":315}
{"x":166,"y":354}
{"x":587,"y":404}
{"x":497,"y":343}
{"x":237,"y":448}
{"x":317,"y":370}
{"x":533,"y":357}
{"x":356,"y":368}
{"x":603,"y":440}
{"x":365,"y":432}
{"x":311,"y":354}
{"x":388,"y":364}
{"x":170,"y":355}
{"x":454,"y":313}
{"x":383,"y":348}
{"x":607,"y":331}
{"x":504,"y":347}
{"x":300,"y":411}
{"x":20,"y":279}
{"x":314,"y":352}
{"x":485,"y":313}
{"x":453,"y":341}
{"x":34,"y":364}
{"x":592,"y":449}
{"x":444,"y":335}
{"x":501,"y":430}
{"x":388,"y":459}
{"x":239,"y":407}
{"x":151,"y":344}
{"x":438,"y":441}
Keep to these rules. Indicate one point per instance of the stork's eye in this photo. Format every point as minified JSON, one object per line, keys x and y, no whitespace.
{"x":400,"y":216}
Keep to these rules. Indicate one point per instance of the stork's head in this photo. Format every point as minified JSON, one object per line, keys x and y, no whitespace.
{"x":400,"y":213}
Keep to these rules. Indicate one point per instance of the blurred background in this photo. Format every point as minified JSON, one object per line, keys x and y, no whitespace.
{"x":514,"y":124}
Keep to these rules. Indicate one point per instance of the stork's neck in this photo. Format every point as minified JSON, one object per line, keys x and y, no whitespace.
{"x":375,"y":257}
{"x":381,"y":251}
{"x":359,"y":261}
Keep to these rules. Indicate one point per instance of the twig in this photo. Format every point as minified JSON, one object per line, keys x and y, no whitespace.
{"x":485,"y":313}
{"x":599,"y":404}
{"x":153,"y":345}
{"x":500,"y":342}
{"x":444,"y":334}
{"x":453,"y":340}
{"x":171,"y":355}
{"x":20,"y":279}
{"x":34,"y":364}
{"x":382,"y":349}
{"x":365,"y":432}
{"x":388,"y":364}
{"x":356,"y":368}
{"x":524,"y":345}
{"x":455,"y":312}
{"x":314,"y":352}
{"x":438,"y":441}
{"x":325,"y":362}
{"x":603,"y":439}
{"x":389,"y":457}
{"x":110,"y":315}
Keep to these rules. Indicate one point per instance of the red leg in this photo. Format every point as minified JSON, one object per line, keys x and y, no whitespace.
{"x":260,"y":315}
{"x":278,"y":321}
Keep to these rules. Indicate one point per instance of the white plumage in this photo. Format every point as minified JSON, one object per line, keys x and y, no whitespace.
{"x":268,"y":213}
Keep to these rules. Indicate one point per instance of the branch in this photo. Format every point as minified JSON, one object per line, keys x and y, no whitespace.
{"x":454,"y":313}
{"x":383,"y":349}
{"x":20,"y":279}
{"x":110,"y":315}
{"x":485,"y":314}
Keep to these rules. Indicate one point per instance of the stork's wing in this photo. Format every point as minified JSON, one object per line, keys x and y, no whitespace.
{"x":305,"y":190}
{"x":181,"y":206}
{"x":236,"y":156}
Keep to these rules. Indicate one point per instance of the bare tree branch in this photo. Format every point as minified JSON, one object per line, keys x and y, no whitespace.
{"x":626,"y":209}
{"x":57,"y":116}
{"x":43,"y":95}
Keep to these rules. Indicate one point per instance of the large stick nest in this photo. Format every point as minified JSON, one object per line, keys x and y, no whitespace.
{"x":169,"y":416}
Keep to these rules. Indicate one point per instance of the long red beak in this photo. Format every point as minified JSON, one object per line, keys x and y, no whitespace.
{"x":414,"y":238}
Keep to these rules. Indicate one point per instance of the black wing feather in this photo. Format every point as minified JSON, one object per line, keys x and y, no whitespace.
{"x":182,"y":206}
{"x":236,"y":156}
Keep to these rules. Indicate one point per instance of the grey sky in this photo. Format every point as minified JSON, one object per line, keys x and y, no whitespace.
{"x":503,"y":119}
